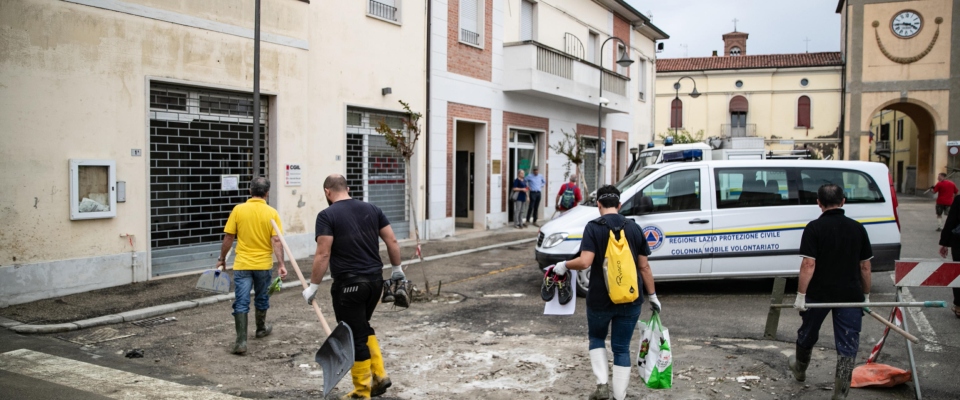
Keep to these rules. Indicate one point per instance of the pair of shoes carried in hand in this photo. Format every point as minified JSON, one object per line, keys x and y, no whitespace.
{"x":551,"y":280}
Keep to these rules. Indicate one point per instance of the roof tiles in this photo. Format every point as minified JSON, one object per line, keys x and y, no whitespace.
{"x":824,"y":59}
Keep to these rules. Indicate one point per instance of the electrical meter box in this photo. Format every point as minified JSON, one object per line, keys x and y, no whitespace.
{"x":93,"y":189}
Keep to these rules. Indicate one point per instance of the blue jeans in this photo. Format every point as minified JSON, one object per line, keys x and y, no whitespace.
{"x":846,"y":328}
{"x":623,"y":318}
{"x":243,"y":281}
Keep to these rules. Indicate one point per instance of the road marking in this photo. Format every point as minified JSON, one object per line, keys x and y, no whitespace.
{"x":103,"y":381}
{"x":922,"y":325}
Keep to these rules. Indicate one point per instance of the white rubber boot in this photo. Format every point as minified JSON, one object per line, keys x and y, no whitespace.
{"x":598,"y":360}
{"x":621,"y":379}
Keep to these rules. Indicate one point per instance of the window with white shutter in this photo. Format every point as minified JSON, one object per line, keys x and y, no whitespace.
{"x":526,"y":20}
{"x":470,"y":22}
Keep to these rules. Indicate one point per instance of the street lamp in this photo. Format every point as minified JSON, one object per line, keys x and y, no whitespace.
{"x":624,"y":61}
{"x":694,"y":94}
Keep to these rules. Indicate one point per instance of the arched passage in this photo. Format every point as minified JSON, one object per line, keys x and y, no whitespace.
{"x":904,"y":138}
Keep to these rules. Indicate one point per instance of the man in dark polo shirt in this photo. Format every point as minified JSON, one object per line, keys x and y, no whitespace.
{"x":835,"y":268}
{"x":348,"y":234}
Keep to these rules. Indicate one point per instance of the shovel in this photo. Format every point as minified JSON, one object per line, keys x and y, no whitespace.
{"x":336,"y":355}
{"x":214,"y":280}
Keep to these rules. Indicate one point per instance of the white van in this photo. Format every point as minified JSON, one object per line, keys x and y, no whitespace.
{"x":733,"y":219}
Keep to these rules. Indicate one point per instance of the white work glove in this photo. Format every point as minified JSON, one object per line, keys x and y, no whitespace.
{"x":560,"y":268}
{"x":801,"y":302}
{"x":866,"y":297}
{"x":654,"y":303}
{"x":398,"y":274}
{"x":310,"y":293}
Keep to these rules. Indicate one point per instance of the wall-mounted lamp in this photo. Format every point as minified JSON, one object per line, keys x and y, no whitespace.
{"x":385,"y":91}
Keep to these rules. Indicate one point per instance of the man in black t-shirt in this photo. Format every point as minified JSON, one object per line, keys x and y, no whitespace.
{"x":347,"y":234}
{"x":602,"y":314}
{"x":835,"y":268}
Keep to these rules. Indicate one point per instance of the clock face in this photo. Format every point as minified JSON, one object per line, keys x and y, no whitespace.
{"x":906,"y":24}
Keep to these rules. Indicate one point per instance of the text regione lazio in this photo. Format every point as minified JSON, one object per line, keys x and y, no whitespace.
{"x":435,"y":199}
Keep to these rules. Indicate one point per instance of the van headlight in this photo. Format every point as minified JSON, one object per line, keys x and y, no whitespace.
{"x":554,"y":239}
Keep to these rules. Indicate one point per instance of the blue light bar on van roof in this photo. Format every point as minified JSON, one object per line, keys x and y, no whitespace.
{"x":683,"y":155}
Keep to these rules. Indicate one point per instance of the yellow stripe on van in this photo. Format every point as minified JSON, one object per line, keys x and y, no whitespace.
{"x":768,"y":228}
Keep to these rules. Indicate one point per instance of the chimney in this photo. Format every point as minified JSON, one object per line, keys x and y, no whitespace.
{"x":714,"y":53}
{"x":735,"y":44}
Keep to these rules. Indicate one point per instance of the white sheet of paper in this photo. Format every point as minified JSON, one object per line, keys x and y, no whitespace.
{"x":553,"y":307}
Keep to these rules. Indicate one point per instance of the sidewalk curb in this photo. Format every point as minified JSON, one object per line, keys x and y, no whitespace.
{"x":135,"y":315}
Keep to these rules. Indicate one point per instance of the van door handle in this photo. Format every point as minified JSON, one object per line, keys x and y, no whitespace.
{"x":699,"y":221}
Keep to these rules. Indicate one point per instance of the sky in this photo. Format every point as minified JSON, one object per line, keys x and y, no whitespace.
{"x":695,"y":27}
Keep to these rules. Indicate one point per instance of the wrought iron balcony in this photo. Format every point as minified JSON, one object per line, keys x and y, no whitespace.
{"x":747,"y":130}
{"x":380,"y":10}
{"x":882,"y":148}
{"x":469,"y":37}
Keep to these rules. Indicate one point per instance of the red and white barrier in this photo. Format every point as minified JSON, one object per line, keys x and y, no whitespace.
{"x":897,"y":317}
{"x":927,"y":273}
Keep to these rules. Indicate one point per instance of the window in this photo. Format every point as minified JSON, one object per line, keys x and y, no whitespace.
{"x":593,"y":44}
{"x":803,"y":112}
{"x":900,"y":130}
{"x":738,"y":84}
{"x":752,"y":187}
{"x":641,"y":77}
{"x":676,"y":114}
{"x":527,"y":20}
{"x":734,"y":51}
{"x":857,"y":186}
{"x":384,"y":9}
{"x":471,"y":22}
{"x":677,"y":191}
{"x":804,"y":82}
{"x":884,"y":132}
{"x":168,"y":100}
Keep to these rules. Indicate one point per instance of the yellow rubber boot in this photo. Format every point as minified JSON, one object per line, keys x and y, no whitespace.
{"x":362,"y":380}
{"x":380,"y":379}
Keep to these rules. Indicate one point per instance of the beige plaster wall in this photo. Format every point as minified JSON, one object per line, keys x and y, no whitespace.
{"x":74,"y":79}
{"x":935,"y":65}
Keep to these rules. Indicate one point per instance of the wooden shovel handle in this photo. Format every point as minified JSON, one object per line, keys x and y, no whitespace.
{"x":296,"y":268}
{"x":895,"y":328}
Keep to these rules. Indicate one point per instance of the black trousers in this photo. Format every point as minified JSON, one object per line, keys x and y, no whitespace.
{"x":534,"y":205}
{"x":354,"y":303}
{"x":955,"y":252}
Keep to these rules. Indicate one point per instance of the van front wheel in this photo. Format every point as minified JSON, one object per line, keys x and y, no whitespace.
{"x":583,"y":282}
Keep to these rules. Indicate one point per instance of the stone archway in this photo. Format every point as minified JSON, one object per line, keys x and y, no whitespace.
{"x":912,"y":160}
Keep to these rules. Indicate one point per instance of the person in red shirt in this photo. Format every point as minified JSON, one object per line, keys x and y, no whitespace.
{"x":945,"y":191}
{"x":565,"y":204}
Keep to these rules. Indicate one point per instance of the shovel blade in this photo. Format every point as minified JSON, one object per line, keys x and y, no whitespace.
{"x":213,"y":280}
{"x":336,"y":356}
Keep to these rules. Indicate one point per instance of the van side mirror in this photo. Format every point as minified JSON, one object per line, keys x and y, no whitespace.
{"x":645,"y":205}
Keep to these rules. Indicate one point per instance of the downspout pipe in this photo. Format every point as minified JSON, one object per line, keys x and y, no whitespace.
{"x":843,"y":87}
{"x":426,"y":138}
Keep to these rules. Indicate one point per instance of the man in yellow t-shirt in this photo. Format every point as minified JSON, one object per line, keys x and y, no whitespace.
{"x":249,"y":223}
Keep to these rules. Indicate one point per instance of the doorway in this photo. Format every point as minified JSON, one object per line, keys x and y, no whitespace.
{"x":738,"y":116}
{"x":469,"y":175}
{"x":523,"y":153}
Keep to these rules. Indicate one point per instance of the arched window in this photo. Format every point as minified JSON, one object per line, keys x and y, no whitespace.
{"x":735,"y":51}
{"x":676,"y":114}
{"x":803,"y":112}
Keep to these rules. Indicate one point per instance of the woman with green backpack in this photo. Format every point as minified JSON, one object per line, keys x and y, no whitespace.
{"x":614,"y":248}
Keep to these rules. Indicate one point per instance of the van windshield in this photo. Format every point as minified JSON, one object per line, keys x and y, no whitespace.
{"x":648,"y":157}
{"x":629,"y":181}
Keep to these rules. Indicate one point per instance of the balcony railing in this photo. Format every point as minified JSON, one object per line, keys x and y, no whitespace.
{"x":748,"y":130}
{"x":380,"y":10}
{"x":552,"y":62}
{"x":614,"y":83}
{"x":883,"y":148}
{"x":469,"y":37}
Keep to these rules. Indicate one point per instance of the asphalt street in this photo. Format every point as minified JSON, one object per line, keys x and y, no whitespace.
{"x":485,"y":336}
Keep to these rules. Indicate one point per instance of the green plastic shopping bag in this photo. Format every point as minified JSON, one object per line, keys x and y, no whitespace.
{"x":655,"y":360}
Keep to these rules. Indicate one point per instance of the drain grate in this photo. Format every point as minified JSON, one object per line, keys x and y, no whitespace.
{"x":98,"y":336}
{"x":151,"y":322}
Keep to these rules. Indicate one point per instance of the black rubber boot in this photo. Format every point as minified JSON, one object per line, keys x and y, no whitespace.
{"x":841,"y":384}
{"x":263,"y":329}
{"x":798,"y":363}
{"x":240,"y":321}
